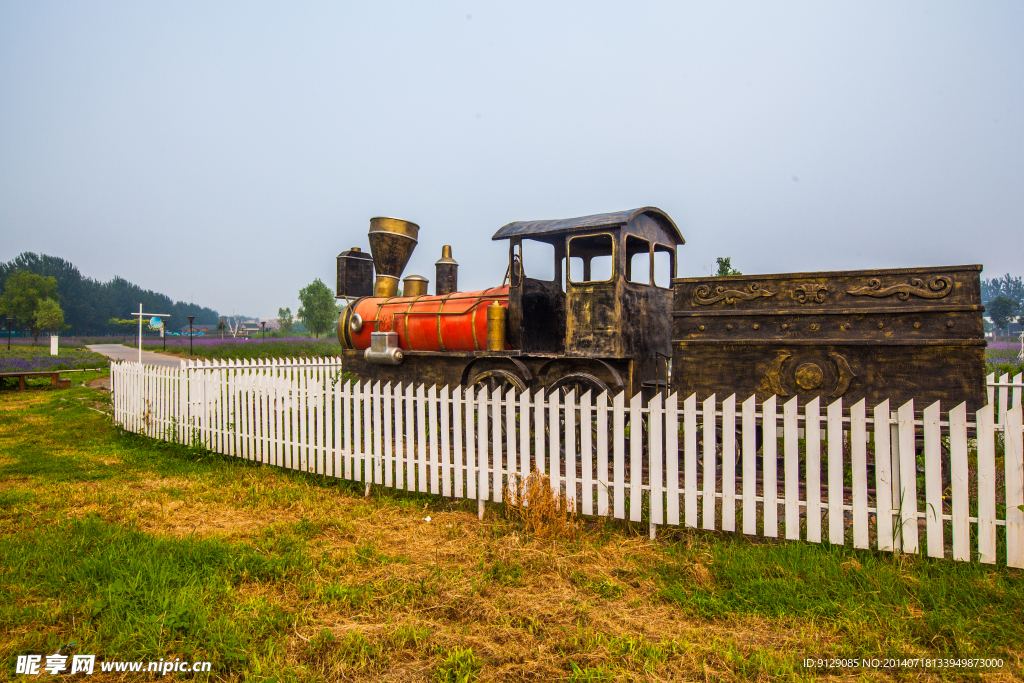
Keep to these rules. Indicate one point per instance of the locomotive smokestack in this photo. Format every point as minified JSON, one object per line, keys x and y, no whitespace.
{"x":447,"y":270}
{"x":391,"y":242}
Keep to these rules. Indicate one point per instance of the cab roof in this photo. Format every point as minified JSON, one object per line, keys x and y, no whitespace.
{"x":588,"y":223}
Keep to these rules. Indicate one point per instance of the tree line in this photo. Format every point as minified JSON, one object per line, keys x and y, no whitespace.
{"x":1003,"y":298}
{"x":88,"y":305}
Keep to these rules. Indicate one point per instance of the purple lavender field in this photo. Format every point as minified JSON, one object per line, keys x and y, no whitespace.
{"x":26,"y":358}
{"x":1002,"y":358}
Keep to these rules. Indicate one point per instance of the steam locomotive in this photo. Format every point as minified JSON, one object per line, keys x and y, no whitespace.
{"x":612,"y":319}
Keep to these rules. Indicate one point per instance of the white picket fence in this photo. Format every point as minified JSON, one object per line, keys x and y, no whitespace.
{"x":872,"y":477}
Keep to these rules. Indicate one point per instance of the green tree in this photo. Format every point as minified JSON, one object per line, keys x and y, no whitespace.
{"x":317,"y":309}
{"x":124,"y":326}
{"x":23,"y":292}
{"x":50,"y":316}
{"x":285,"y":321}
{"x":1002,"y":310}
{"x":725,"y":267}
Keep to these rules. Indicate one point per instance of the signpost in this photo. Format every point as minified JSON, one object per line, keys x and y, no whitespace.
{"x":141,"y":315}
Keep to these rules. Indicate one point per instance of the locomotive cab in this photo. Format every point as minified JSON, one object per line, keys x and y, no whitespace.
{"x":607,"y":311}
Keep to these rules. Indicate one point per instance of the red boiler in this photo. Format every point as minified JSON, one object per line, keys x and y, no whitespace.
{"x":452,"y":322}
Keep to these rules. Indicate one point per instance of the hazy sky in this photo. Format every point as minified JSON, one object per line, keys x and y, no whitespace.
{"x":226,"y":152}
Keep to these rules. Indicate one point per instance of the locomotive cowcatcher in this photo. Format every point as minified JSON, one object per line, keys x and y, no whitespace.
{"x":603,"y":322}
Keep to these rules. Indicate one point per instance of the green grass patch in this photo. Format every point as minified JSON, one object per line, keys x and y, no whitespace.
{"x":884,"y":603}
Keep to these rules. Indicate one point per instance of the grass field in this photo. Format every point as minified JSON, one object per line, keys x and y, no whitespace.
{"x":138,"y":550}
{"x":272,"y":347}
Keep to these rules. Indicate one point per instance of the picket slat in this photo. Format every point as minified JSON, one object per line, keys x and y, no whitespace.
{"x":555,"y":440}
{"x":750,"y":466}
{"x":1004,"y":397}
{"x":538,"y":429}
{"x":812,"y":439}
{"x":836,"y":532}
{"x":791,"y":467}
{"x":586,"y":454}
{"x":570,"y":450}
{"x":933,"y":481}
{"x":510,"y":438}
{"x":618,"y":456}
{"x":636,"y":445}
{"x":432,"y":423}
{"x":986,"y":485}
{"x":524,"y":434}
{"x":470,"y":405}
{"x":729,"y":464}
{"x":410,"y":438}
{"x":482,"y":451}
{"x":690,"y":460}
{"x":602,"y":454}
{"x":708,"y":425}
{"x":883,"y":478}
{"x":770,"y":464}
{"x":656,"y":419}
{"x":421,"y":439}
{"x":908,"y":478}
{"x":458,"y":466}
{"x":1014,"y":478}
{"x":446,"y":446}
{"x":672,"y":457}
{"x":859,"y":467}
{"x":496,"y":446}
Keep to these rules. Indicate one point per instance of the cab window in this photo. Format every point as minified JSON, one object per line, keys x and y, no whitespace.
{"x":591,"y":258}
{"x":638,"y":260}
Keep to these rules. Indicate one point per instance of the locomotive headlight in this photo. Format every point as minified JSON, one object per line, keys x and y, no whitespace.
{"x":355,"y":325}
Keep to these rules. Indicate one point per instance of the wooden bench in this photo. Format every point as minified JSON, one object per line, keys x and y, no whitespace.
{"x":55,"y":380}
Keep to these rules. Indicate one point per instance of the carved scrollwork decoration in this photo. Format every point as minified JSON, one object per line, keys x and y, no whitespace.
{"x":704,"y":296}
{"x":938,"y":288}
{"x":810,"y":293}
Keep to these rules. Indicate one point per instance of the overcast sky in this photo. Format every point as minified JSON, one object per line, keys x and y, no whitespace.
{"x":226,"y":152}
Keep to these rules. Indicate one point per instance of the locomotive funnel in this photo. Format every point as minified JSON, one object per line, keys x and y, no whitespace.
{"x":391,"y":242}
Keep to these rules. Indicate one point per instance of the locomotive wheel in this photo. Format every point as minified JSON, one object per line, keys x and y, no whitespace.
{"x":495,"y":379}
{"x":582,"y":382}
{"x":499,"y":379}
